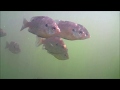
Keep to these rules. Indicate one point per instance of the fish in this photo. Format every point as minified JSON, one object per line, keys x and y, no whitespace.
{"x":41,"y":26}
{"x":54,"y":46}
{"x":2,"y":33}
{"x":72,"y":31}
{"x":13,"y":47}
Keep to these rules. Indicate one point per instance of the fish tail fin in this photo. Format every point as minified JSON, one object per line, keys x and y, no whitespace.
{"x":39,"y":41}
{"x":25,"y":24}
{"x":7,"y":45}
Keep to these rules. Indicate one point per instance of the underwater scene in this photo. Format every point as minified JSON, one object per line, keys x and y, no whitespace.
{"x":59,"y":45}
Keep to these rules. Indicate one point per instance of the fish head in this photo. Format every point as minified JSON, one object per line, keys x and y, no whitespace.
{"x":50,"y":26}
{"x":60,"y":43}
{"x":16,"y":48}
{"x":65,"y":56}
{"x":80,"y":32}
{"x":52,"y":29}
{"x":55,"y":45}
{"x":57,"y":42}
{"x":86,"y":34}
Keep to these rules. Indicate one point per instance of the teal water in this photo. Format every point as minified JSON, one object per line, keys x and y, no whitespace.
{"x":93,"y":58}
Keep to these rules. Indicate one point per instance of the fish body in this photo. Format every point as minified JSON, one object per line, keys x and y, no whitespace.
{"x":42,"y":26}
{"x":72,"y":31}
{"x":13,"y":47}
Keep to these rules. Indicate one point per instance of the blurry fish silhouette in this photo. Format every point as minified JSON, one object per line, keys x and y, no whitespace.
{"x":13,"y":47}
{"x":54,"y":46}
{"x":72,"y":31}
{"x":42,"y":26}
{"x":2,"y":33}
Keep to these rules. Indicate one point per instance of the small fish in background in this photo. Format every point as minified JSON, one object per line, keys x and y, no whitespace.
{"x":54,"y":46}
{"x":13,"y":47}
{"x":2,"y":33}
{"x":42,"y":26}
{"x":72,"y":31}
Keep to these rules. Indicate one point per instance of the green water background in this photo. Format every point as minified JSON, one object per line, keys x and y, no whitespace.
{"x":93,"y":58}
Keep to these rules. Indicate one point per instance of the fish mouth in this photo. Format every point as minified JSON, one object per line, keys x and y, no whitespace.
{"x":88,"y":35}
{"x":58,"y":30}
{"x":51,"y":32}
{"x":85,"y":35}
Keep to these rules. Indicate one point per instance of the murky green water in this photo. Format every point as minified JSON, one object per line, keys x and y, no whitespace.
{"x":96,"y":57}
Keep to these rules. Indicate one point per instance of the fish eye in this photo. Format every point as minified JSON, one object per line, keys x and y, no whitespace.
{"x":86,"y":33}
{"x":62,"y":46}
{"x":65,"y":55}
{"x":53,"y":28}
{"x":14,"y":46}
{"x":80,"y":32}
{"x":73,"y":30}
{"x":46,"y":25}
